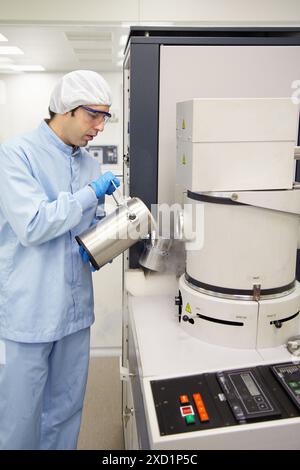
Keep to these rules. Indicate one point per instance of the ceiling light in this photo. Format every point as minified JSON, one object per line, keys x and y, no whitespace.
{"x":21,"y":68}
{"x":28,"y":68}
{"x":3,"y":38}
{"x":6,"y":67}
{"x":6,"y":60}
{"x":10,"y":50}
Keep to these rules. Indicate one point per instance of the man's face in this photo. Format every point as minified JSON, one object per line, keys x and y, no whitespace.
{"x":84,"y":125}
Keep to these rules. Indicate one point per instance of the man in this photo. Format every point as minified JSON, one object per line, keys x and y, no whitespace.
{"x":50,"y":191}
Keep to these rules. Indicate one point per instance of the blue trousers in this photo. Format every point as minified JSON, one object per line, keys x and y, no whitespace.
{"x":42,"y":387}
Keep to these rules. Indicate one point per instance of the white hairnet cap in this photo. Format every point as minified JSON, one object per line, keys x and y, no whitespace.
{"x":81,"y":87}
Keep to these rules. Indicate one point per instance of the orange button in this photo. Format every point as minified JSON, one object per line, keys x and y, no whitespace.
{"x":197,"y":398}
{"x":200,"y":407}
{"x":204,"y":417}
{"x":184,"y":399}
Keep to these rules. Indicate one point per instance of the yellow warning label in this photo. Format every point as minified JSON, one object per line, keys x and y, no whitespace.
{"x":188,"y":308}
{"x":183,"y":160}
{"x":183,"y":124}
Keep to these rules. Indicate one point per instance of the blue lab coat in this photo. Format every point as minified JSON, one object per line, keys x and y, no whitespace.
{"x":46,"y":296}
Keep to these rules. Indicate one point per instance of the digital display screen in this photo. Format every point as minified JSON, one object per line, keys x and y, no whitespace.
{"x":249,"y":382}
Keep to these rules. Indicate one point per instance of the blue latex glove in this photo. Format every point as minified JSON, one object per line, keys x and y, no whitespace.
{"x":103,"y":185}
{"x":85,"y":257}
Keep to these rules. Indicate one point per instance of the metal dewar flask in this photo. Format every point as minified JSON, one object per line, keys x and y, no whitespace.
{"x":130,"y":222}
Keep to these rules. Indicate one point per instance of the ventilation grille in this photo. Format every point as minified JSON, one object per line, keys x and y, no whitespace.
{"x":102,"y":36}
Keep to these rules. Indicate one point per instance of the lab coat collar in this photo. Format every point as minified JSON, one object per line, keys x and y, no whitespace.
{"x":50,"y":135}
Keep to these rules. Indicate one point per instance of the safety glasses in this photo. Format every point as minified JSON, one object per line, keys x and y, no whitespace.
{"x":95,"y":115}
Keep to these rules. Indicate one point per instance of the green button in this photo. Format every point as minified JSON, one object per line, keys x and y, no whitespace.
{"x":190,"y":419}
{"x":293,"y":384}
{"x":297,"y":391}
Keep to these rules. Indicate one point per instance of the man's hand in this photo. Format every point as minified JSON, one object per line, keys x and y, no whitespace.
{"x":105,"y":184}
{"x":85,"y":257}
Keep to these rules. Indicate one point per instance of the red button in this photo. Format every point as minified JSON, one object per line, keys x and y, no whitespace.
{"x":186,"y":410}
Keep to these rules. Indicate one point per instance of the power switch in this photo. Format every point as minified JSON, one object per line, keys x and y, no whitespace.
{"x":190,"y":419}
{"x":203,"y":415}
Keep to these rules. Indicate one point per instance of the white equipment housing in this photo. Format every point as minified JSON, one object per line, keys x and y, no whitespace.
{"x":239,"y":289}
{"x":236,"y":144}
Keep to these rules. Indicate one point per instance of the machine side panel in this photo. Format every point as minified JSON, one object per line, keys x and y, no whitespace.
{"x":139,"y":409}
{"x":143,"y":128}
{"x":144,"y":122}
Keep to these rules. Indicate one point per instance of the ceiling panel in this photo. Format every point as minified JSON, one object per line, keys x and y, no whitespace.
{"x":61,"y":48}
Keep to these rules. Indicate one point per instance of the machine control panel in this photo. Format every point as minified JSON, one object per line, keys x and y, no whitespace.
{"x":289,"y":377}
{"x":227,"y":398}
{"x":246,"y":396}
{"x":105,"y":154}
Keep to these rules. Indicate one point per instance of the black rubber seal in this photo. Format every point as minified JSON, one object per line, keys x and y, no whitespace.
{"x":229,"y":291}
{"x":213,"y":199}
{"x":217,"y":320}
{"x":285,"y":319}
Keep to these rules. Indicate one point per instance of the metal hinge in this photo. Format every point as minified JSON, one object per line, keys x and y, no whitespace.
{"x":256,"y":291}
{"x":127,"y":414}
{"x":125,"y":375}
{"x":297,"y":153}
